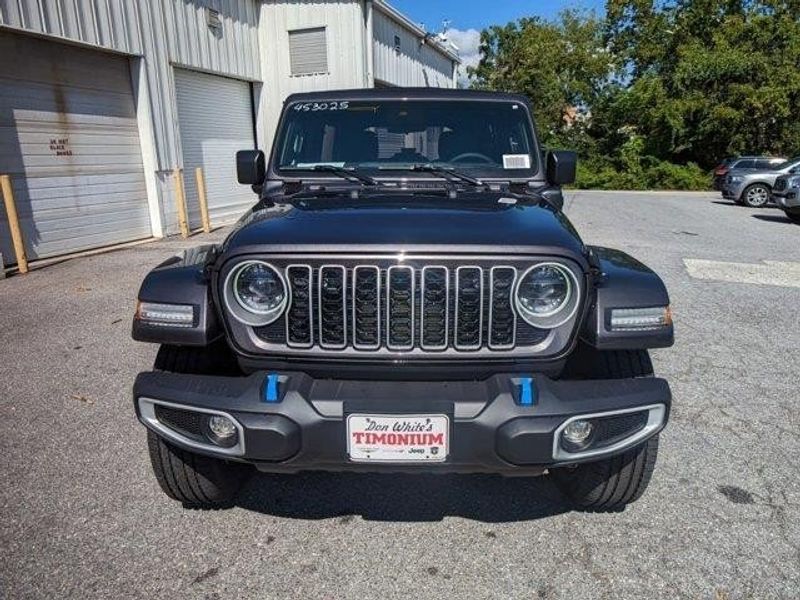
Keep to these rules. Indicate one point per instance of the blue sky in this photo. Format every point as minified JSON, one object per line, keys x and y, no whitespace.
{"x":476,"y":14}
{"x":467,"y":18}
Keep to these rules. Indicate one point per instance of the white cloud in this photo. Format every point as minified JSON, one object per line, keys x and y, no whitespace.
{"x":468,"y":42}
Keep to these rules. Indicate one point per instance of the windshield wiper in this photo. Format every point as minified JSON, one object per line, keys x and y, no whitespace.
{"x":347,"y":174}
{"x":444,"y":172}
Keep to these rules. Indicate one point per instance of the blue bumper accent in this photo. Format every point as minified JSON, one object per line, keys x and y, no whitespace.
{"x":527,"y":392}
{"x":271,"y":390}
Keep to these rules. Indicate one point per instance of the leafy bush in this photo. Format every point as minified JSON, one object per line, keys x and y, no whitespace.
{"x":628,"y":169}
{"x":651,"y":174}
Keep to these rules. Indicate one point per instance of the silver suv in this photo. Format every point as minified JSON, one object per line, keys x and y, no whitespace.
{"x":754,"y":188}
{"x":751,"y":163}
{"x":786,"y":194}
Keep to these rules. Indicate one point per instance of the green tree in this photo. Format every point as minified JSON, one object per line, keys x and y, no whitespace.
{"x":665,"y":88}
{"x":561,"y":66}
{"x":707,"y":78}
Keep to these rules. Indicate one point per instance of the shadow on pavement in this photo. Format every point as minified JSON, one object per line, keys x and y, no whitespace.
{"x":774,"y":218}
{"x":402,"y":497}
{"x":724,"y":202}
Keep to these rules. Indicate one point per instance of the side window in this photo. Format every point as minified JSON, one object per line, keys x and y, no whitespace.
{"x":745,"y":164}
{"x":308,"y":51}
{"x":764,"y":163}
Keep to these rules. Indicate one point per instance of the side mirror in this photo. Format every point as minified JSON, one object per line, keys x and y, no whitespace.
{"x":561,"y":166}
{"x":251,"y":167}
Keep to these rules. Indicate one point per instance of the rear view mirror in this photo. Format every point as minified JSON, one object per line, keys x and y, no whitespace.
{"x":561,"y":165}
{"x":250,"y":167}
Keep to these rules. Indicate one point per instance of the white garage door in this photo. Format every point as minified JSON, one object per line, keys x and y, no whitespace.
{"x":215,"y":115}
{"x":69,"y":141}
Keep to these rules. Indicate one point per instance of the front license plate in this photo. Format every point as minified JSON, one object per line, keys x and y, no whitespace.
{"x":398,"y":438}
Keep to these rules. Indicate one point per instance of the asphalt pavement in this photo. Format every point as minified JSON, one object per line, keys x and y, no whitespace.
{"x":81,"y":515}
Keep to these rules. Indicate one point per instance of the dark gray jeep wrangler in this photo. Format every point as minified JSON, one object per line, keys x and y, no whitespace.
{"x":405,"y":296}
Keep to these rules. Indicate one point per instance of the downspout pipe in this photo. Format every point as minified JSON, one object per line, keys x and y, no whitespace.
{"x":369,"y":42}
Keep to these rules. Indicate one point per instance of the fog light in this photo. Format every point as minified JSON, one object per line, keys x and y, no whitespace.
{"x":577,"y":434}
{"x":222,"y":431}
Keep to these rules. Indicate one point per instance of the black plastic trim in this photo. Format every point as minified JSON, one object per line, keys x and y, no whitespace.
{"x":624,"y":282}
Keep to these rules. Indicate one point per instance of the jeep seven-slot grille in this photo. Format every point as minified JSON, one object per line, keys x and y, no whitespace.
{"x":401,"y":308}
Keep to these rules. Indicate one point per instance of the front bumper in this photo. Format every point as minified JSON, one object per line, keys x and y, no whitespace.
{"x":732,"y":191}
{"x":789,"y":198}
{"x":304,"y":428}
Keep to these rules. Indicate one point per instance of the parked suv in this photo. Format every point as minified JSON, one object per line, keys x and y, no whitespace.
{"x":406,"y":296}
{"x":754,"y":188}
{"x":748,"y":163}
{"x":786,"y":194}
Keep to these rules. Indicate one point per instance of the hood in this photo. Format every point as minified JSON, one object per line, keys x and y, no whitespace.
{"x":480,"y":222}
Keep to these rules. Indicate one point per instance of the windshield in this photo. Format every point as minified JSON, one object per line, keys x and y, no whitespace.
{"x":489,"y":139}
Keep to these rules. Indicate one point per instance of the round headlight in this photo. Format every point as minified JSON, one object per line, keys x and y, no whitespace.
{"x":546,"y":295}
{"x":258,"y":291}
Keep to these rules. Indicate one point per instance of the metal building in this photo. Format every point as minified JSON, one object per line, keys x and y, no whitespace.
{"x":102,"y":102}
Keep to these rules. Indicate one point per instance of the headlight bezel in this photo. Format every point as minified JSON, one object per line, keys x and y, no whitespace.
{"x":561,"y":315}
{"x":237,"y":308}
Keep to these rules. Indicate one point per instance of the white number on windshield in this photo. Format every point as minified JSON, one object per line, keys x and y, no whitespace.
{"x":316,"y":106}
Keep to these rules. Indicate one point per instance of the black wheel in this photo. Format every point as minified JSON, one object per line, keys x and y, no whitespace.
{"x":756,"y":195}
{"x":216,"y":359}
{"x":195,"y":480}
{"x":794,"y":215}
{"x":589,"y":363}
{"x":610,"y":484}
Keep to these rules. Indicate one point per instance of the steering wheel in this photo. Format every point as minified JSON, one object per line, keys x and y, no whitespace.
{"x":482,"y":157}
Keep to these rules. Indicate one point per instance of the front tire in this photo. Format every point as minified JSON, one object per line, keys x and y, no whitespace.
{"x":756,"y":195}
{"x":194,"y":480}
{"x":610,"y":484}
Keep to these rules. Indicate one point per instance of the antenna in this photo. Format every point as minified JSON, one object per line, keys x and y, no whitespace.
{"x":442,"y":37}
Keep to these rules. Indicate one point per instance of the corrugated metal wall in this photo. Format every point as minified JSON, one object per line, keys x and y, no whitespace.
{"x":415,"y":64}
{"x":113,"y":24}
{"x":166,"y":33}
{"x":346,"y":36}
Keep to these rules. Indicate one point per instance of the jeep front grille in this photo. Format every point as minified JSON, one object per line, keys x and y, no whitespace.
{"x":419,"y":307}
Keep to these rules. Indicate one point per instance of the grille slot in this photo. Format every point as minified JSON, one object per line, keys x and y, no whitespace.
{"x":400,"y":284}
{"x":366,"y":307}
{"x":435,"y":308}
{"x":299,"y":320}
{"x":469,"y":308}
{"x":332,"y":307}
{"x":502,"y":321}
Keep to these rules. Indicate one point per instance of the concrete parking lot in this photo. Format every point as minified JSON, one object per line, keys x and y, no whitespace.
{"x":82,"y":516}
